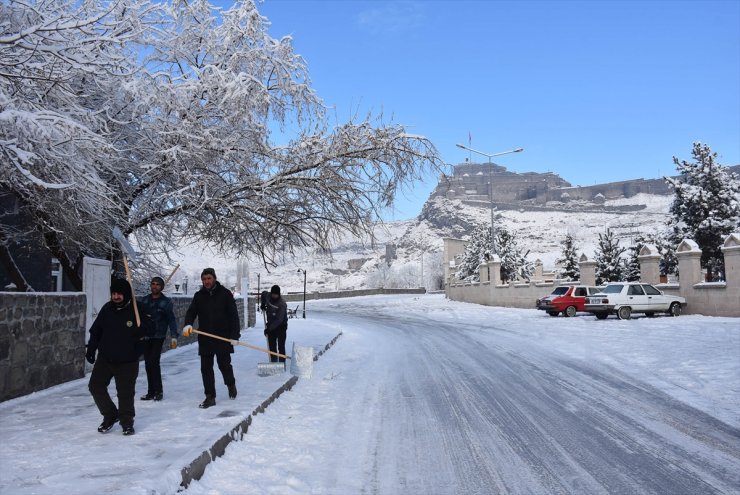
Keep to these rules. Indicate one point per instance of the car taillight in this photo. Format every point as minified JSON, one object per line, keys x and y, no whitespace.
{"x":605,"y":301}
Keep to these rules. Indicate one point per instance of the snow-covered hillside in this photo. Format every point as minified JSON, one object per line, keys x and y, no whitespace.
{"x":359,"y":263}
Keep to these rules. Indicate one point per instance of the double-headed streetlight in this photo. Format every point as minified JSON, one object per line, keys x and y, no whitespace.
{"x":490,"y":183}
{"x":304,"y":290}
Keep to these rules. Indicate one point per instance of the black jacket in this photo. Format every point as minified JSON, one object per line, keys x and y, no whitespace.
{"x":217,"y":314}
{"x":277,"y":315}
{"x":114,"y":333}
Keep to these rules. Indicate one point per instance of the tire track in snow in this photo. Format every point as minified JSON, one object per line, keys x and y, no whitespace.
{"x":519,"y":418}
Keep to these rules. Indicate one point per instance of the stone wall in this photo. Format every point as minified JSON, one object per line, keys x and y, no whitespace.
{"x":43,"y":337}
{"x":706,"y":298}
{"x":293,"y":298}
{"x":42,"y":341}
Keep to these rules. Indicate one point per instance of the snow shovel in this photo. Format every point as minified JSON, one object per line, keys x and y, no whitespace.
{"x":302,"y":367}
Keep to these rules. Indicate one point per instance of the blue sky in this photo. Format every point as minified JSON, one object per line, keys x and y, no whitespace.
{"x":595,"y":91}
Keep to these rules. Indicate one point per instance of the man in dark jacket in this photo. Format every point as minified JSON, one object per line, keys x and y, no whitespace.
{"x":116,"y":337}
{"x":215,"y":308}
{"x":163,"y":318}
{"x":276,"y":329}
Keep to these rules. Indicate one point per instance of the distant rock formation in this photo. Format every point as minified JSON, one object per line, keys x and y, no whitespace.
{"x":484,"y":182}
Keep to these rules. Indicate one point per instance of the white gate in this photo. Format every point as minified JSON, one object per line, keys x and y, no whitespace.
{"x":96,"y":284}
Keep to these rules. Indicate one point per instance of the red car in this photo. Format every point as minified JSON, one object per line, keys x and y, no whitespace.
{"x":566,"y":299}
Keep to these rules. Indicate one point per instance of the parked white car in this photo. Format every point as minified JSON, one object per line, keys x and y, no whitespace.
{"x":625,"y":298}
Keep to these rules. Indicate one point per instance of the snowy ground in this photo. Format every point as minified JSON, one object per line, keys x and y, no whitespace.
{"x":50,"y":444}
{"x":422,"y":395}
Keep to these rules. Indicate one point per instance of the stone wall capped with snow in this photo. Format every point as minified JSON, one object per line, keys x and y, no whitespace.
{"x":43,"y":337}
{"x":42,"y":341}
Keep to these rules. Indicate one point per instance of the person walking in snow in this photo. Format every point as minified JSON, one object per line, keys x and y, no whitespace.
{"x":116,"y":337}
{"x":215,"y":308}
{"x":276,"y":328}
{"x":163,"y":318}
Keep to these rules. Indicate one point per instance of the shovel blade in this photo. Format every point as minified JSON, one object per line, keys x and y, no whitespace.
{"x":301,"y":362}
{"x":269,"y":369}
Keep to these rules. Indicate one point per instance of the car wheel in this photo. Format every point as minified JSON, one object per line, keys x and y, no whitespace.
{"x":570,"y":311}
{"x":601,"y":316}
{"x":675,"y":309}
{"x":624,"y":313}
{"x":552,"y":313}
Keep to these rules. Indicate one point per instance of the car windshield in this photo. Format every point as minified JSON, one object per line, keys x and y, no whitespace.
{"x":559,"y":291}
{"x":613,"y":289}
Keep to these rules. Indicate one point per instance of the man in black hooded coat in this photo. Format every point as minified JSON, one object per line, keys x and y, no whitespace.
{"x":276,"y":327}
{"x":215,"y":308}
{"x":117,"y":339}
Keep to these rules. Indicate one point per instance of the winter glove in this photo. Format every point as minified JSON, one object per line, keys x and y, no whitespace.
{"x":187,"y":330}
{"x":266,"y":332}
{"x":173,"y":343}
{"x":90,"y":355}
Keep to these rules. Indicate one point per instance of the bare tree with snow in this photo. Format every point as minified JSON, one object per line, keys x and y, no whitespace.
{"x":182,"y":129}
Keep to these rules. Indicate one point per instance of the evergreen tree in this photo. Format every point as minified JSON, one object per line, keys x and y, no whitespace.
{"x":514,"y":264}
{"x":477,"y":251}
{"x":661,"y":240}
{"x":609,"y":264}
{"x":632,"y":266}
{"x":706,"y":206}
{"x":569,"y":261}
{"x":668,"y":261}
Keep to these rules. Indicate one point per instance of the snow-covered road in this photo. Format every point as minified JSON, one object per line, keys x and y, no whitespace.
{"x":423,"y":395}
{"x":420,"y":395}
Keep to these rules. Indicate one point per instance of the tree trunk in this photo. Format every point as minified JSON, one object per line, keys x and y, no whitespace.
{"x":53,"y":244}
{"x":7,"y":261}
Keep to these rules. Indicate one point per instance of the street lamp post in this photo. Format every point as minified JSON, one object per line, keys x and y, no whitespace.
{"x":304,"y":290}
{"x":490,"y":183}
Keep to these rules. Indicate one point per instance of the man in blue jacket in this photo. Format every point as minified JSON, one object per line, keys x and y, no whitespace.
{"x":163,"y":318}
{"x":215,"y":308}
{"x":116,"y":337}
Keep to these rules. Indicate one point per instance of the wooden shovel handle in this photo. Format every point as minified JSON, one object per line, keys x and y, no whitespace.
{"x":232,"y":342}
{"x":172,"y":274}
{"x":133,"y":296}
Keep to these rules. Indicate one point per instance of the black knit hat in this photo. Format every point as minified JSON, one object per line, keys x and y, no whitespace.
{"x":121,"y":286}
{"x":208,"y":271}
{"x":158,"y":280}
{"x":275,"y":290}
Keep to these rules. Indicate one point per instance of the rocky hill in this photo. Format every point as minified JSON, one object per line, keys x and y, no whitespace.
{"x":540,"y":208}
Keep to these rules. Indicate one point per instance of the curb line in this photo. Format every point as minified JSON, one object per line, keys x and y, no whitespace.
{"x":196,"y":468}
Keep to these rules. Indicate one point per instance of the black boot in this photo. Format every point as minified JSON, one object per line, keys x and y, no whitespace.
{"x":107,"y":424}
{"x":232,"y":391}
{"x":157,"y":396}
{"x":148,"y":396}
{"x":128,"y":430}
{"x":208,"y":402}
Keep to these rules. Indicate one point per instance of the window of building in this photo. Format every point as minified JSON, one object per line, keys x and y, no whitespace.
{"x":56,"y":276}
